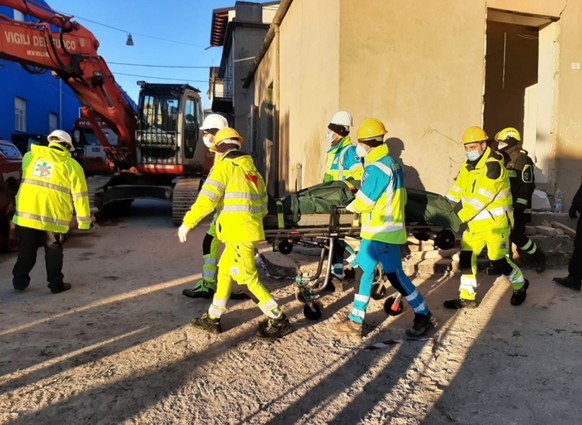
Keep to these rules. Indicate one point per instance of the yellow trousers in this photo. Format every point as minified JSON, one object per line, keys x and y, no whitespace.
{"x":497,"y":243}
{"x":238,"y":263}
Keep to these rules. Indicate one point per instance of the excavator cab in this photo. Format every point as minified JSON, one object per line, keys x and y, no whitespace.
{"x":168,"y":129}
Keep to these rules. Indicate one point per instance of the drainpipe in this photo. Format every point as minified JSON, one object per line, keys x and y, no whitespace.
{"x":277,"y":98}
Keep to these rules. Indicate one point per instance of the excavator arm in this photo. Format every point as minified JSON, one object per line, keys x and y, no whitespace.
{"x":71,"y":54}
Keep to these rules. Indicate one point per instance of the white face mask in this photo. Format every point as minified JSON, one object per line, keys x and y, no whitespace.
{"x":207,"y":138}
{"x":501,"y":145}
{"x":473,"y":155}
{"x":361,"y":151}
{"x":329,"y":136}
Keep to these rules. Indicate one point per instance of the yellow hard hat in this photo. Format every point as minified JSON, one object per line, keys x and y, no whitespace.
{"x":474,"y":135}
{"x":370,"y":129}
{"x":506,"y":133}
{"x":227,"y":133}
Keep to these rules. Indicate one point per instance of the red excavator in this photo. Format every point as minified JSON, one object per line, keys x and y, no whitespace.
{"x":157,"y":153}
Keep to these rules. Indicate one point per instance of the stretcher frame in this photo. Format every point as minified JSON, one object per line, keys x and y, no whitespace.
{"x":324,"y":231}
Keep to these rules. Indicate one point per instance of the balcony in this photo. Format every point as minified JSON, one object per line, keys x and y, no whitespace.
{"x":222,"y":95}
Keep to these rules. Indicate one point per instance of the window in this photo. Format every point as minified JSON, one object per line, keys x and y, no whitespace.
{"x":18,"y":16}
{"x":53,"y":121}
{"x":191,"y":126}
{"x":19,"y":114}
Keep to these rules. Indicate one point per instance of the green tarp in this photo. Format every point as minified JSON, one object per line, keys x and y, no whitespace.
{"x":422,"y":208}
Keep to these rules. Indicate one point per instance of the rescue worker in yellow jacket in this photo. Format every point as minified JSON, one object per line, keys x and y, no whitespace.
{"x":484,"y":191}
{"x":237,"y":192}
{"x":381,"y":200}
{"x":206,"y":287}
{"x":53,"y":183}
{"x":342,"y":163}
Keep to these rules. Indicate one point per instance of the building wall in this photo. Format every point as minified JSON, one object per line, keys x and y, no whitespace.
{"x":419,"y":67}
{"x":41,"y":92}
{"x":309,"y":89}
{"x":264,"y":86}
{"x":566,"y":121}
{"x":246,"y":42}
{"x":569,"y":103}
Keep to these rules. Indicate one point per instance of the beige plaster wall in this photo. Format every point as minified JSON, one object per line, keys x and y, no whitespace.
{"x":566,"y":125}
{"x":417,"y":67}
{"x":569,"y":102}
{"x":549,"y":8}
{"x":309,"y":46}
{"x":266,"y":76}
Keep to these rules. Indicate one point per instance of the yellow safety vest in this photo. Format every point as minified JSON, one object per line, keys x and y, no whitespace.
{"x":382,"y":198}
{"x":52,"y":184}
{"x":342,"y":162}
{"x":236,"y":190}
{"x":485,"y":194}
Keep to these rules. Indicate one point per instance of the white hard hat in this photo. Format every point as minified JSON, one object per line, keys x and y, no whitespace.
{"x":342,"y":118}
{"x":214,"y":121}
{"x":61,"y":137}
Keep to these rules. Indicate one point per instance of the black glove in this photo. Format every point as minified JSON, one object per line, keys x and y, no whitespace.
{"x":573,"y":213}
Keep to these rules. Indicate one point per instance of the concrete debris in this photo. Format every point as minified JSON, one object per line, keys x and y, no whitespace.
{"x":548,"y":231}
{"x":567,"y":230}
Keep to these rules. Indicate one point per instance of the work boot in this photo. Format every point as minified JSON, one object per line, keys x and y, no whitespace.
{"x":208,"y":324}
{"x":55,"y":289}
{"x":520,"y":295}
{"x":203,"y":289}
{"x":239,"y":295}
{"x":540,"y":261}
{"x":569,"y":282}
{"x":421,"y":325}
{"x":347,"y":327}
{"x":459,"y":303}
{"x":274,"y":328}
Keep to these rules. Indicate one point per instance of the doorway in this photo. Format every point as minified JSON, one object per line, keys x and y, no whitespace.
{"x":520,"y":86}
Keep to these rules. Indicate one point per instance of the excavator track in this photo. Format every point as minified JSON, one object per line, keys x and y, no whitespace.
{"x":94,"y":183}
{"x":184,"y":195}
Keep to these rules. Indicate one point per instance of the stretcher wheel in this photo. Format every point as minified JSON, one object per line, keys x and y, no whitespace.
{"x":313,"y":311}
{"x":391,"y":308}
{"x":299,"y":295}
{"x":285,"y":247}
{"x":445,"y":239}
{"x":378,"y":291}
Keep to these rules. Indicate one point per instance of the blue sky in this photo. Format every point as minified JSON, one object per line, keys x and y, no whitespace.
{"x":185,"y":22}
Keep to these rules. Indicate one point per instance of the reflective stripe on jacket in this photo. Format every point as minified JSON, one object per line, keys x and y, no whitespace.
{"x":485,"y":194}
{"x":382,"y":198}
{"x":342,"y":162}
{"x":521,"y":171}
{"x":236,"y":190}
{"x":53,"y":183}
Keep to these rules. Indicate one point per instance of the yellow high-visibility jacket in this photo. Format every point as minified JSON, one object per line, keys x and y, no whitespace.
{"x":342,"y":162}
{"x":485,"y":194}
{"x":236,"y":190}
{"x":52,"y":184}
{"x":382,"y":198}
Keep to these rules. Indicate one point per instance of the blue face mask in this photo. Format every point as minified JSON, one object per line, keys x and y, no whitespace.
{"x":473,"y":155}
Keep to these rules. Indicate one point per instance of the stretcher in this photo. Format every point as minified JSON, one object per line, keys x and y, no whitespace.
{"x":324,"y":231}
